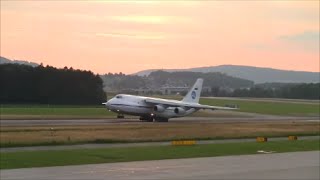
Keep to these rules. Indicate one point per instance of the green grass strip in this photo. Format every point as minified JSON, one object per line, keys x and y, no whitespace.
{"x":11,"y":160}
{"x":274,"y":108}
{"x":58,"y":111}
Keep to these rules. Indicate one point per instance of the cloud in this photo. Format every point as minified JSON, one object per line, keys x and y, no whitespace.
{"x":149,"y":19}
{"x":128,"y":2}
{"x":132,"y":36}
{"x":259,"y":46}
{"x":307,"y":36}
{"x":307,"y":11}
{"x":308,"y":40}
{"x":150,"y":2}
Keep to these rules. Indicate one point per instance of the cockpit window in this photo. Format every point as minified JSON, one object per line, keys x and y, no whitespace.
{"x":118,"y":97}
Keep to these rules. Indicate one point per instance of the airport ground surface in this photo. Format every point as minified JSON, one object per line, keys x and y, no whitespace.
{"x":21,"y":129}
{"x":293,"y":165}
{"x":247,"y":107}
{"x":54,"y":132}
{"x":207,"y":116}
{"x":110,"y":121}
{"x":140,"y":144}
{"x":71,"y":122}
{"x":222,"y":124}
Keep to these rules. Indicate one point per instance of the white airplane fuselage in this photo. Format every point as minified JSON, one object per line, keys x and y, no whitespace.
{"x":136,"y":105}
{"x":157,"y":109}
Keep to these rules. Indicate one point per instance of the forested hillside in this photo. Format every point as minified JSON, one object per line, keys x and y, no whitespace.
{"x":4,"y":60}
{"x":24,"y":83}
{"x":49,"y":85}
{"x":256,"y":74}
{"x":159,"y":79}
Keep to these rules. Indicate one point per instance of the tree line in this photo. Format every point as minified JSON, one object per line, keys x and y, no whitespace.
{"x":290,"y":91}
{"x":49,"y":85}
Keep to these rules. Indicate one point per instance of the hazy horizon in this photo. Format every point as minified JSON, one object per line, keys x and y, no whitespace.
{"x":130,"y":36}
{"x":169,"y":68}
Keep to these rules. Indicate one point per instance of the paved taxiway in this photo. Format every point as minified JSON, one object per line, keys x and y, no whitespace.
{"x":69,"y":122}
{"x":294,"y":165}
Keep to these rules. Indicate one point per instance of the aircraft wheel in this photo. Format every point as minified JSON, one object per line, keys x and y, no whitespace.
{"x":146,"y":119}
{"x":120,"y":116}
{"x":161,"y":119}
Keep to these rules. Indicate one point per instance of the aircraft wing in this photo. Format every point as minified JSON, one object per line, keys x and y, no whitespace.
{"x":174,"y":103}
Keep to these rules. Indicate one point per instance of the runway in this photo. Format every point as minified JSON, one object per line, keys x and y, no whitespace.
{"x":69,"y":122}
{"x":294,"y":165}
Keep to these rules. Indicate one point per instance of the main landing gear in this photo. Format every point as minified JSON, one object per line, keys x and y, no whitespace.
{"x":146,"y":118}
{"x":151,"y":118}
{"x":160,"y":119}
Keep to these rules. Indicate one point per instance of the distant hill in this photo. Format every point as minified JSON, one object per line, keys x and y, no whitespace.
{"x":4,"y":60}
{"x":158,"y":79}
{"x":256,"y":74}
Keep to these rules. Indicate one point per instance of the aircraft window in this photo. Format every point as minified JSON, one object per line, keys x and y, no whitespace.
{"x":118,"y":97}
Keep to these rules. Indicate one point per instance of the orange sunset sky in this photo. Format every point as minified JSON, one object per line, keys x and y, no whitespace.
{"x":129,"y":36}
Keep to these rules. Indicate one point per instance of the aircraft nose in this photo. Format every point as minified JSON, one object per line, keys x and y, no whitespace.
{"x":107,"y":104}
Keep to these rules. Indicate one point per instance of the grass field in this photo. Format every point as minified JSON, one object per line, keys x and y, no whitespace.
{"x":52,"y":112}
{"x":142,"y":132}
{"x":265,"y":107}
{"x":108,"y":155}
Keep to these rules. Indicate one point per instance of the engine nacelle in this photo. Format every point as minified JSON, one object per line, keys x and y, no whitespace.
{"x":158,"y":108}
{"x":179,"y":110}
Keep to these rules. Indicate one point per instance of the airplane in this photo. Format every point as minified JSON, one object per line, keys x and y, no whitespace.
{"x":160,"y":110}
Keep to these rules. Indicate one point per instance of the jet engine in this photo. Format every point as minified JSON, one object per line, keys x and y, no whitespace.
{"x":158,"y":108}
{"x":179,"y":110}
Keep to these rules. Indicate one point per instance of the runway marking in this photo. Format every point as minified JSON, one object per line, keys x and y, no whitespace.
{"x":265,"y":152}
{"x":127,"y":171}
{"x":313,"y":120}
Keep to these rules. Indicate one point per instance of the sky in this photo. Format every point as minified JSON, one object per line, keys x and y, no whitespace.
{"x":129,"y":36}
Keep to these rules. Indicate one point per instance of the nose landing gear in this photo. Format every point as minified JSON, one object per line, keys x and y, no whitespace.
{"x":120,"y":116}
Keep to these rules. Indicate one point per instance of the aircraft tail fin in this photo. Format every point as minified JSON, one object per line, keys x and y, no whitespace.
{"x":194,"y":93}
